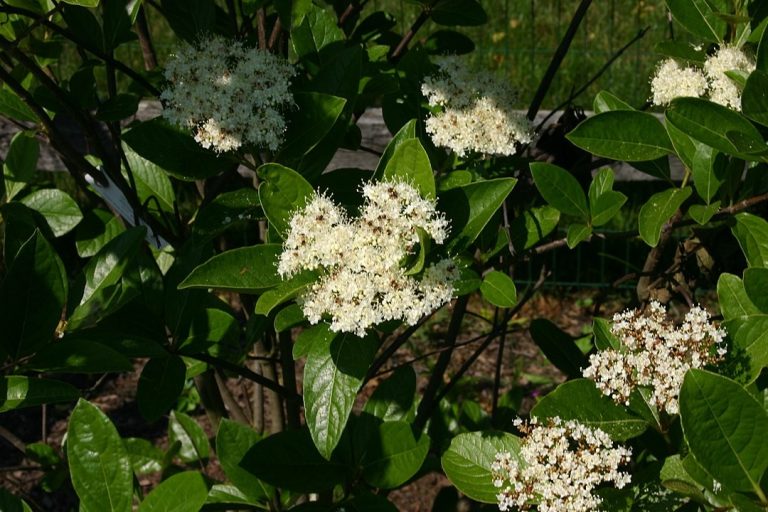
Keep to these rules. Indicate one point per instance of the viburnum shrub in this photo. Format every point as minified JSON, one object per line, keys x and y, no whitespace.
{"x":302,"y":333}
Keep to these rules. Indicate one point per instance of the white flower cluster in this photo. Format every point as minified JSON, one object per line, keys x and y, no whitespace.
{"x":559,"y":464}
{"x":673,"y":80}
{"x":228,"y":94}
{"x":655,"y":354}
{"x":363,"y":282}
{"x":475,"y":113}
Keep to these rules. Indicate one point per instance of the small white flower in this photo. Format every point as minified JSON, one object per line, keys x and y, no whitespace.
{"x":474,"y":111}
{"x":723,"y":90}
{"x":655,"y":354}
{"x":673,"y":81}
{"x":559,"y":464}
{"x":228,"y":94}
{"x":362,"y":282}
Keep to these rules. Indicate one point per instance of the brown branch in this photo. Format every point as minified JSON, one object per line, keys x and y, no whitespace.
{"x":145,"y":40}
{"x":275,"y":35}
{"x":408,"y":36}
{"x":261,"y":27}
{"x":245,"y":373}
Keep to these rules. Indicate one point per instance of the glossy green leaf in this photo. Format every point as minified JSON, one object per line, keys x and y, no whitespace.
{"x":117,"y":108}
{"x":289,"y":317}
{"x":407,"y":132}
{"x":10,"y":503}
{"x":59,"y":209}
{"x":317,"y":333}
{"x":708,"y":171}
{"x":580,"y":400}
{"x":733,"y":298}
{"x":317,"y":29}
{"x":725,"y":429}
{"x":410,"y":163}
{"x":183,"y":492}
{"x":469,"y":208}
{"x":674,"y":476}
{"x":146,"y":458}
{"x":559,"y":347}
{"x":185,"y":430}
{"x":699,"y":18}
{"x":17,"y":392}
{"x":604,"y":338}
{"x":333,"y":374}
{"x":393,"y":455}
{"x":606,"y":102}
{"x":12,"y":106}
{"x":658,"y":210}
{"x":190,"y":18}
{"x":160,"y":384}
{"x":715,"y":125}
{"x":246,"y":270}
{"x":284,"y":292}
{"x":79,"y":356}
{"x":754,"y":99}
{"x":751,"y":232}
{"x":631,"y":136}
{"x":232,"y":443}
{"x":467,"y":462}
{"x":465,"y":13}
{"x":703,"y":213}
{"x":289,"y":460}
{"x":83,"y":3}
{"x":499,"y":289}
{"x":282,"y":193}
{"x":173,"y":151}
{"x":681,"y":51}
{"x":750,"y":346}
{"x":20,"y":163}
{"x":313,"y":119}
{"x":153,"y":186}
{"x":577,"y":233}
{"x":32,"y":295}
{"x":227,"y":210}
{"x":532,"y":226}
{"x":97,"y":228}
{"x":99,"y":464}
{"x":685,"y":146}
{"x":394,"y":398}
{"x":560,"y":189}
{"x":755,"y":285}
{"x":606,"y":207}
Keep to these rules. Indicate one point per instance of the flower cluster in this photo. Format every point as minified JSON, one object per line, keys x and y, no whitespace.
{"x":558,"y":466}
{"x":228,"y":94}
{"x":363,"y":282}
{"x":655,"y":354}
{"x":673,"y":80}
{"x":473,"y":111}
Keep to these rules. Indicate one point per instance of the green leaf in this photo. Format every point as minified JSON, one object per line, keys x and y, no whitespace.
{"x":79,"y":356}
{"x":117,"y":108}
{"x":317,"y":333}
{"x":580,"y":400}
{"x":160,"y":384}
{"x":407,"y":132}
{"x":97,"y":228}
{"x":532,"y":226}
{"x":317,"y":29}
{"x":32,"y":295}
{"x":185,"y":430}
{"x":607,"y":102}
{"x":410,"y":163}
{"x":393,"y":455}
{"x":750,"y":346}
{"x":190,"y":18}
{"x":313,"y":118}
{"x":681,"y":51}
{"x":334,"y":372}
{"x":102,"y":276}
{"x":20,"y":163}
{"x":284,"y":292}
{"x":708,"y":171}
{"x":577,"y":233}
{"x":12,"y":106}
{"x":288,"y":317}
{"x":604,"y":338}
{"x":755,"y":285}
{"x":716,"y":126}
{"x":232,"y":443}
{"x":83,"y":3}
{"x":245,"y":270}
{"x":559,"y":347}
{"x":227,"y":210}
{"x":289,"y":460}
{"x":754,"y":99}
{"x":467,"y":462}
{"x":658,"y":210}
{"x":499,"y":289}
{"x":393,"y":398}
{"x":606,"y":207}
{"x":469,"y":208}
{"x":559,"y":188}
{"x":99,"y":464}
{"x":699,"y":18}
{"x":10,"y":503}
{"x":464,"y":13}
{"x":146,"y":458}
{"x":631,"y":136}
{"x":152,"y":183}
{"x":60,"y":211}
{"x":17,"y":392}
{"x":282,"y":193}
{"x":702,"y":214}
{"x":751,"y":232}
{"x":733,"y":298}
{"x":183,"y":492}
{"x":684,"y":145}
{"x":674,"y":476}
{"x":174,"y":151}
{"x":725,"y":429}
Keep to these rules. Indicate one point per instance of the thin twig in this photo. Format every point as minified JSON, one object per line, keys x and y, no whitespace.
{"x":408,"y":36}
{"x":246,"y":374}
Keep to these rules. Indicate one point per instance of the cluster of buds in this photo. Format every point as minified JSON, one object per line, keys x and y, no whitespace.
{"x":473,"y":111}
{"x":558,"y":466}
{"x":363,"y":282}
{"x":228,"y":94}
{"x":655,"y":354}
{"x":673,"y":80}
